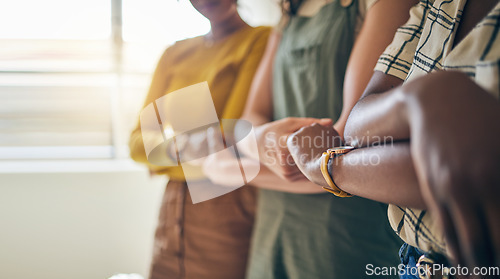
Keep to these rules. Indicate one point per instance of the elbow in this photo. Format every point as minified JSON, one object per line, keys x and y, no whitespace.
{"x":348,"y":132}
{"x":348,"y":135}
{"x":351,"y":128}
{"x":137,"y":151}
{"x":137,"y":156}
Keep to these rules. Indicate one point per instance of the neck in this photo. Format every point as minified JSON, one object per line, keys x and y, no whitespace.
{"x":226,"y":27}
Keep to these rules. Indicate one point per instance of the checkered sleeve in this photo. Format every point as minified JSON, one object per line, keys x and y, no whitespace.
{"x":398,"y":56}
{"x":417,"y":228}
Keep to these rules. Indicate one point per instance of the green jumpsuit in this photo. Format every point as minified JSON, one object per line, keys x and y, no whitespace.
{"x":311,"y":236}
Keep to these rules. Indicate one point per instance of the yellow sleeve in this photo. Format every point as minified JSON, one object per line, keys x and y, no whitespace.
{"x":236,"y":103}
{"x":156,"y":90}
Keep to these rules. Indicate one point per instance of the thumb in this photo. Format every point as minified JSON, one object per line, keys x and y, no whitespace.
{"x":300,"y":122}
{"x":326,"y":122}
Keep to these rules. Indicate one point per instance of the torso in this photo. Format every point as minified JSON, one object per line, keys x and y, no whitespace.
{"x":310,"y":235}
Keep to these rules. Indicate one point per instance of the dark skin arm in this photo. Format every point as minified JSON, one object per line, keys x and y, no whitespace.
{"x":382,"y":169}
{"x":375,"y":115}
{"x":377,"y":31}
{"x":456,"y":156}
{"x":383,"y":173}
{"x":460,"y":188}
{"x":454,"y":152}
{"x":363,"y":119}
{"x":357,"y":78}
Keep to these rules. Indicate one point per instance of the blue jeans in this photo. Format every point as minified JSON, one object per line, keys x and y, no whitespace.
{"x":409,"y":256}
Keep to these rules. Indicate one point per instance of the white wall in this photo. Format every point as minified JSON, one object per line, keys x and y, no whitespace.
{"x":78,"y":225}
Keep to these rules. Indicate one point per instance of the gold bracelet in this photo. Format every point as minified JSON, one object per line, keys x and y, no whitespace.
{"x":327,"y":155}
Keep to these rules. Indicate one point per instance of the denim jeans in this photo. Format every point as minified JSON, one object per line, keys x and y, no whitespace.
{"x":409,"y":256}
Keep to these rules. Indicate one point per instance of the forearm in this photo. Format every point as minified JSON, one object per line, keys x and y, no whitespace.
{"x":416,"y":107}
{"x":455,"y":131}
{"x":268,"y":180}
{"x":382,"y":173}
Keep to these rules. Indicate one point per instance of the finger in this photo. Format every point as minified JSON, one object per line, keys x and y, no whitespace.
{"x":291,"y":174}
{"x":287,"y":163}
{"x":472,"y":230}
{"x":445,"y":219}
{"x":286,"y":160}
{"x":292,"y":140}
{"x":282,"y":142}
{"x":281,"y":164}
{"x":299,"y":122}
{"x":492,"y":209}
{"x":294,"y":137}
{"x":327,"y":122}
{"x":296,"y":177}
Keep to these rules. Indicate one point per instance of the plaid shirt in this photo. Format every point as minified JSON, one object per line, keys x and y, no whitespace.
{"x":425,"y":44}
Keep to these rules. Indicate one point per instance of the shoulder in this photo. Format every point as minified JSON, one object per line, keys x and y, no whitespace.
{"x":180,"y":49}
{"x":365,"y":6}
{"x":262,"y":29}
{"x":259,"y":32}
{"x":250,"y":37}
{"x":184,"y":47}
{"x":263,"y":33}
{"x":187,"y":43}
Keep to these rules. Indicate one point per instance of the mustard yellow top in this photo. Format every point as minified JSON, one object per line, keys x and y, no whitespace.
{"x":228,"y":65}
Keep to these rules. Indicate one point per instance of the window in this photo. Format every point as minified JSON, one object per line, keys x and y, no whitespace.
{"x":73,"y":73}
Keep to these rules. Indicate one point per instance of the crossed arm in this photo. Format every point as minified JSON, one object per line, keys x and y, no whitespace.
{"x":381,"y":168}
{"x":380,"y":125}
{"x":379,"y":27}
{"x":453,"y":124}
{"x":451,"y":162}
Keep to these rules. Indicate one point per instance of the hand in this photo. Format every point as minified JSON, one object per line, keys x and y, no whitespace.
{"x":456,"y":154}
{"x":273,"y":150}
{"x":190,"y":146}
{"x":222,"y":166}
{"x":306,"y":147}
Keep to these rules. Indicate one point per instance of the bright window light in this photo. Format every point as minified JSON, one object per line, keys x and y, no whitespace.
{"x":164,"y":21}
{"x":55,"y":19}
